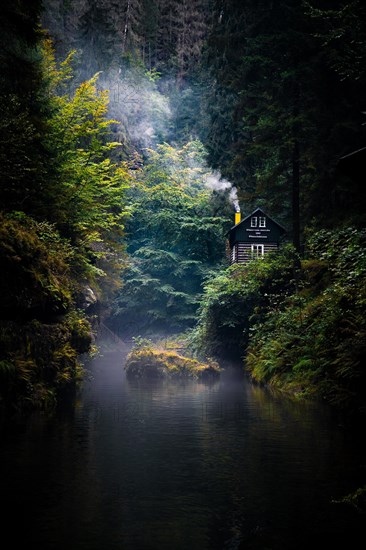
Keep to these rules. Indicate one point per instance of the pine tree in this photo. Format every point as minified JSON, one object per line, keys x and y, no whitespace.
{"x":23,"y":107}
{"x":277,"y":109}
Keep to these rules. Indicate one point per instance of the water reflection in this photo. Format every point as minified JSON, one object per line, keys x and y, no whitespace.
{"x":168,"y":465}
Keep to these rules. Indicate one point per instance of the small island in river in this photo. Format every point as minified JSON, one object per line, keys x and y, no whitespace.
{"x":145,"y":361}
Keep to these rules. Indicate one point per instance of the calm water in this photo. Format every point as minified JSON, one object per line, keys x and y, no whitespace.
{"x":168,"y":466}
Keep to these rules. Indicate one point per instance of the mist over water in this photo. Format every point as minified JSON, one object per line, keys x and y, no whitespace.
{"x":163,"y":465}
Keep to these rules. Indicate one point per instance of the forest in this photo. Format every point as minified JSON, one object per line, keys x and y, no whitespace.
{"x":130,"y":132}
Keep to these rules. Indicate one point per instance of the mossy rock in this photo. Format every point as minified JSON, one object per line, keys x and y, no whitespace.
{"x":153,"y":363}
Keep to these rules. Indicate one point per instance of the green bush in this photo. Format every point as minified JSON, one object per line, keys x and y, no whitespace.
{"x":316,"y":342}
{"x":237,"y":298}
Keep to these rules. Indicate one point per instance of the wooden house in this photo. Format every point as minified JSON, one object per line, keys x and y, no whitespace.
{"x":253,"y":237}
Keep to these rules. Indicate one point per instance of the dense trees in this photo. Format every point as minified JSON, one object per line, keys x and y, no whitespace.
{"x":236,"y":298}
{"x":314,"y":343}
{"x":166,"y":34}
{"x":301,"y":330}
{"x":282,"y":110}
{"x":286,"y":105}
{"x":122,"y":111}
{"x":175,"y":239}
{"x":126,"y":39}
{"x":21,"y":99}
{"x":62,"y":213}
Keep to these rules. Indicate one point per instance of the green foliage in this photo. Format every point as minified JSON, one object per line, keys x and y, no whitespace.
{"x":300,"y":329}
{"x":38,"y":360}
{"x":315,"y":342}
{"x":140,"y":343}
{"x":288,"y":89}
{"x":35,"y":278}
{"x":174,"y":239}
{"x":88,"y":187}
{"x":148,"y":362}
{"x":22,"y":104}
{"x":22,"y":169}
{"x":64,"y":175}
{"x":342,"y":33}
{"x":61,"y":230}
{"x":237,"y":298}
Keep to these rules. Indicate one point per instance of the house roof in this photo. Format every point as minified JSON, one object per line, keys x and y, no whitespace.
{"x":257,"y":211}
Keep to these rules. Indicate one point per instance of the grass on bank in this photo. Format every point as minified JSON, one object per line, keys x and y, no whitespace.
{"x":148,"y":361}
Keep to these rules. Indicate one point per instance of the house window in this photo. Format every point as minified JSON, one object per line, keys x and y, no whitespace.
{"x":257,"y":250}
{"x":262,"y":221}
{"x":254,"y":221}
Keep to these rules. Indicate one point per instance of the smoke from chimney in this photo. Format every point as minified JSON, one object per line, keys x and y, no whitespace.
{"x":216,"y":182}
{"x":233,"y":195}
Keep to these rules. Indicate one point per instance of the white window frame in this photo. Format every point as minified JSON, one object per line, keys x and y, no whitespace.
{"x":257,"y":250}
{"x":262,"y":221}
{"x":254,"y":221}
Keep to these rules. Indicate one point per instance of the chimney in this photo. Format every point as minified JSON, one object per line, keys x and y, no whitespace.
{"x":237,"y":217}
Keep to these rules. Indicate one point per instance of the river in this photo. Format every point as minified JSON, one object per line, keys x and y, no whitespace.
{"x":178,"y":466}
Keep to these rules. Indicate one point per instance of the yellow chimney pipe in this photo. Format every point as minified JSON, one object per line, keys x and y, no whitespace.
{"x":237,"y":217}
